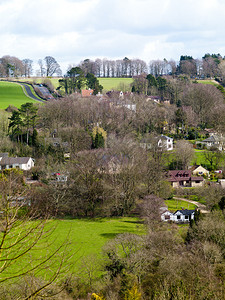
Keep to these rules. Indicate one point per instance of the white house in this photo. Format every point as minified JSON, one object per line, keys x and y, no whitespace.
{"x":23,"y":163}
{"x":179,"y":216}
{"x":164,"y":142}
{"x":167,"y":216}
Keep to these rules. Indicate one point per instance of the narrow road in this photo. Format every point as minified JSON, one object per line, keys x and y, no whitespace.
{"x":201,"y":206}
{"x":28,"y":92}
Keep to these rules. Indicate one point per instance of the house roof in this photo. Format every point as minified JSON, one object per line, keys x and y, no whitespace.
{"x":86,"y":93}
{"x":181,"y":175}
{"x":14,"y":160}
{"x":5,"y":154}
{"x":164,"y":137}
{"x":185,"y":212}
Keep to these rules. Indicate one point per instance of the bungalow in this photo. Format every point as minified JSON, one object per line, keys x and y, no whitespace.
{"x":23,"y":163}
{"x":184,"y":178}
{"x":179,"y":216}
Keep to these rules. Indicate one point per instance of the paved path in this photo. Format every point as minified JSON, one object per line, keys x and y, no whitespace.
{"x":201,"y":206}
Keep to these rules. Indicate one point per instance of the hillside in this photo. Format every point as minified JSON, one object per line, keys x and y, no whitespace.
{"x":12,"y":94}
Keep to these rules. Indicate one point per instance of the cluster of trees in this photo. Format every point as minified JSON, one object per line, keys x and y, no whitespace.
{"x":23,"y":122}
{"x":11,"y":66}
{"x":75,"y":80}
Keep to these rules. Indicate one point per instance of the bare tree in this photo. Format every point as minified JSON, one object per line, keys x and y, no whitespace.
{"x":22,"y":235}
{"x":27,"y":67}
{"x":42,"y":68}
{"x":184,"y":153}
{"x":51,"y":66}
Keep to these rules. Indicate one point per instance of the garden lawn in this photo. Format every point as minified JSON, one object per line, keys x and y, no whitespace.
{"x":174,"y":205}
{"x":12,"y":94}
{"x":199,"y":158}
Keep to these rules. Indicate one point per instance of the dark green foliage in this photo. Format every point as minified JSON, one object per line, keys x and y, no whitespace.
{"x":98,"y":141}
{"x":222,"y":203}
{"x":93,"y":83}
{"x":151,"y":80}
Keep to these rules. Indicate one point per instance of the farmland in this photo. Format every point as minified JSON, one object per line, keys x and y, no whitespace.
{"x":12,"y":94}
{"x":116,"y":83}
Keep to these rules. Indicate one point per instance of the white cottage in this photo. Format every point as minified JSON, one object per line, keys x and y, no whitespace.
{"x":179,"y":216}
{"x":23,"y":163}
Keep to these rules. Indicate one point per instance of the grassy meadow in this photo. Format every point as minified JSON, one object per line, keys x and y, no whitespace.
{"x":12,"y":94}
{"x":122,"y":84}
{"x":85,"y":238}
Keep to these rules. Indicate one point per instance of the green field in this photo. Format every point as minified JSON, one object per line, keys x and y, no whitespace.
{"x":107,"y":83}
{"x":12,"y":94}
{"x":116,"y":84}
{"x":85,"y":238}
{"x":174,"y":205}
{"x":208,"y":81}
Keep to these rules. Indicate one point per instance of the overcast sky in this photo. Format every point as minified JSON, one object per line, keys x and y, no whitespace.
{"x":73,"y":30}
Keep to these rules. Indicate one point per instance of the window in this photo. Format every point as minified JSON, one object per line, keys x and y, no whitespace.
{"x":178,"y":217}
{"x":186,"y":217}
{"x":167,"y":217}
{"x":197,"y":181}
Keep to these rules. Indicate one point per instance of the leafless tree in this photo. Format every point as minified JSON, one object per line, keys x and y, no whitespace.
{"x":184,"y":153}
{"x":27,"y":67}
{"x":51,"y":66}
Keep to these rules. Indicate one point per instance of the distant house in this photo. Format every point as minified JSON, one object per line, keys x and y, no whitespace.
{"x":23,"y":163}
{"x":179,"y":216}
{"x":86,"y":93}
{"x":216,"y":141}
{"x":184,"y":178}
{"x":165,"y":142}
{"x":162,"y":141}
{"x":200,"y":171}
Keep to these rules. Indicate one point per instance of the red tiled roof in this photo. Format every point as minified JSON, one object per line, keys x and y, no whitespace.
{"x":86,"y":93}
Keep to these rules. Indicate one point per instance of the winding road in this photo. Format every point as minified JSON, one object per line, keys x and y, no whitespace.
{"x":28,"y":93}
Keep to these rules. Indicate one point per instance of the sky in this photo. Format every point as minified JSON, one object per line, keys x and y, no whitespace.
{"x":73,"y":30}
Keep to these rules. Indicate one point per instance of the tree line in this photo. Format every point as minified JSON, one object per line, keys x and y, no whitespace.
{"x":209,"y":66}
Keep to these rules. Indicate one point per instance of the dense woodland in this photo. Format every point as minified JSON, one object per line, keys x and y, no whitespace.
{"x":110,"y":175}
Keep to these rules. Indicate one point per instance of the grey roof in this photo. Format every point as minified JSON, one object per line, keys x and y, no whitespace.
{"x":5,"y":154}
{"x":164,"y":137}
{"x":14,"y":160}
{"x":185,"y":212}
{"x":210,"y":139}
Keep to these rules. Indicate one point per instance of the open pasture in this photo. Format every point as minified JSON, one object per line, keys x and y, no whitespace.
{"x":12,"y":94}
{"x":84,"y":239}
